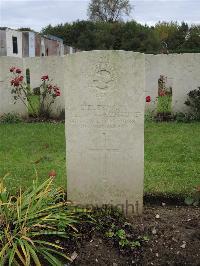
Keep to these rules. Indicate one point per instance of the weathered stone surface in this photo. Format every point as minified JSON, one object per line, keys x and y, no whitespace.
{"x":6,"y":98}
{"x":104,"y":93}
{"x":181,"y":70}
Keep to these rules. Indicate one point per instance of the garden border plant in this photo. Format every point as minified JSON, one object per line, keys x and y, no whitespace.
{"x":40,"y":211}
{"x":193,"y":102}
{"x":22,"y":91}
{"x":164,"y":100}
{"x":10,"y":118}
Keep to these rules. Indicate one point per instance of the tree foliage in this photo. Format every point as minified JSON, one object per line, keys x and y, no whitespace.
{"x":108,"y":10}
{"x":130,"y":36}
{"x":25,"y":29}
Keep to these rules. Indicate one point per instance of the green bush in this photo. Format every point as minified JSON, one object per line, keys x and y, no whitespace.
{"x":29,"y":219}
{"x":149,"y":116}
{"x":194,"y":103}
{"x":10,"y":118}
{"x":35,"y":103}
{"x":62,"y":115}
{"x":184,"y":117}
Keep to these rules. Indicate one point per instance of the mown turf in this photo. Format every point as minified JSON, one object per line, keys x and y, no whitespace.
{"x":27,"y":149}
{"x":172,"y":155}
{"x":172,"y":158}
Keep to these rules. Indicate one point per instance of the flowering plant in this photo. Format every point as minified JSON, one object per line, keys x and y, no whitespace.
{"x":49,"y":92}
{"x":23,"y":92}
{"x":148,"y":99}
{"x":164,"y":104}
{"x":20,"y":89}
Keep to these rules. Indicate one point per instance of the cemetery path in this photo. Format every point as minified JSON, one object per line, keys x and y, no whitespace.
{"x":174,"y":233}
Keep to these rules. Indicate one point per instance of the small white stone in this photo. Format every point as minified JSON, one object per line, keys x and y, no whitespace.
{"x":74,"y":256}
{"x":154,"y":231}
{"x":157,"y":216}
{"x":183,"y":246}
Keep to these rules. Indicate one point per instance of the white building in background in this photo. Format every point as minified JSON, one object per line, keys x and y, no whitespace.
{"x":28,"y":44}
{"x":20,"y":44}
{"x":10,"y":43}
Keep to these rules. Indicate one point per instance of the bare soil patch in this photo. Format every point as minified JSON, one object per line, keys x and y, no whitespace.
{"x":174,"y":239}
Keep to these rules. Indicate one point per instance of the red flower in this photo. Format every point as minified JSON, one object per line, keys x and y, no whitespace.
{"x":21,"y":78}
{"x":16,"y":81}
{"x":46,"y":77}
{"x":49,"y":87}
{"x":57,"y":93}
{"x":18,"y":71}
{"x":12,"y":69}
{"x":148,"y":99}
{"x":52,"y":173}
{"x":162,"y":93}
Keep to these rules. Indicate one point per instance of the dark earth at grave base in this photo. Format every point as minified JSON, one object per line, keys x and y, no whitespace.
{"x":174,"y":239}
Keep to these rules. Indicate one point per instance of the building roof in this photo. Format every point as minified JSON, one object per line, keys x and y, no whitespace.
{"x":52,"y":37}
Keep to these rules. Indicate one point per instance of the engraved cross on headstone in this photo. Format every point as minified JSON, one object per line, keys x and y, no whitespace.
{"x":107,"y":149}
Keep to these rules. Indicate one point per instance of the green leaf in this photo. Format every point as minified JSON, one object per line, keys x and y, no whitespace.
{"x":12,"y":254}
{"x":33,"y":254}
{"x":110,"y":234}
{"x":189,"y":200}
{"x":53,"y":260}
{"x":196,"y":203}
{"x":121,"y":234}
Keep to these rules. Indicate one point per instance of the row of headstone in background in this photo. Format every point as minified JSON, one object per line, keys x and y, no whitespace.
{"x":104,"y":92}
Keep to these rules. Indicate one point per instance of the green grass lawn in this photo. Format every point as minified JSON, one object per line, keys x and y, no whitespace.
{"x":27,"y":149}
{"x":172,"y":155}
{"x":172,"y":158}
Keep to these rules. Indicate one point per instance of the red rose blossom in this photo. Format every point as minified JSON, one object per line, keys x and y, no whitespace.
{"x":18,"y":71}
{"x":148,"y":99}
{"x":12,"y":69}
{"x":57,"y":93}
{"x":49,"y":87}
{"x":16,"y":81}
{"x":52,"y":173}
{"x":162,"y":93}
{"x":56,"y":90}
{"x":45,"y":77}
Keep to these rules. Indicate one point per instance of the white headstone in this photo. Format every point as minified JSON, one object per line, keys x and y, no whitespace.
{"x":104,"y":93}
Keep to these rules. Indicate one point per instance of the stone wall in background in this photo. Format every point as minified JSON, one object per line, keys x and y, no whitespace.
{"x":181,"y":72}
